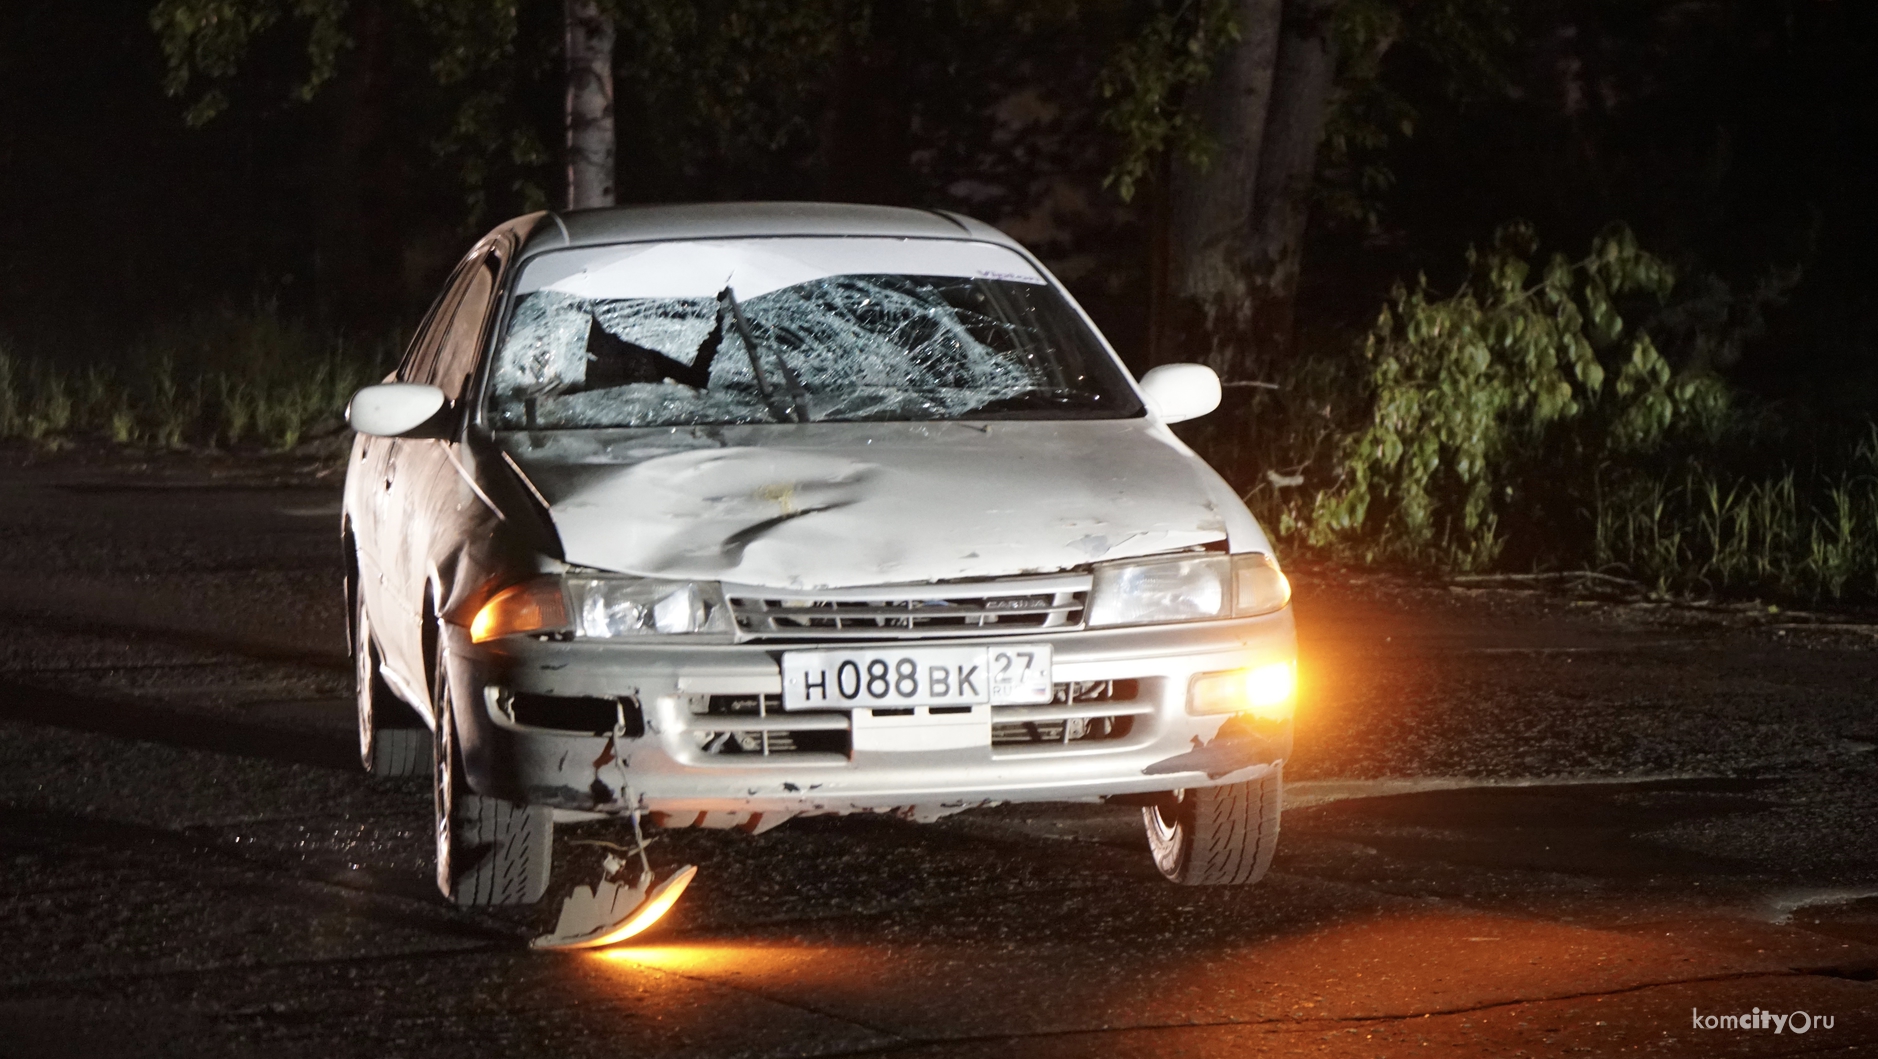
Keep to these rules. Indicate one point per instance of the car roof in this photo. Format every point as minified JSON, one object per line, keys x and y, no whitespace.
{"x":718,"y":220}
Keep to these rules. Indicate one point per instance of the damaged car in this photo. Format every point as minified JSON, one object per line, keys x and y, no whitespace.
{"x":718,"y":515}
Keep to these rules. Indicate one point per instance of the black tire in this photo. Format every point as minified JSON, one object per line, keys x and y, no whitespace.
{"x":1217,"y":836}
{"x":489,"y":851}
{"x":392,"y":743}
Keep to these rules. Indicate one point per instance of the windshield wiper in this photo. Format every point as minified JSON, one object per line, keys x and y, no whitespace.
{"x":798,"y":398}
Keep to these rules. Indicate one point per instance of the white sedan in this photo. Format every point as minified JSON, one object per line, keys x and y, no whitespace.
{"x":718,"y":515}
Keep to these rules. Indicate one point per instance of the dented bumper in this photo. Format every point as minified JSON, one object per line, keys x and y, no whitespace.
{"x":693,"y":745}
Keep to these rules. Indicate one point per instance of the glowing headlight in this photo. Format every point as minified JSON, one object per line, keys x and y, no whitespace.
{"x":1187,"y":588}
{"x":614,"y":607}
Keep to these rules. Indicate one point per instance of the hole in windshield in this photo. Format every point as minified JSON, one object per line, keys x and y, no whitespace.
{"x":626,"y":337}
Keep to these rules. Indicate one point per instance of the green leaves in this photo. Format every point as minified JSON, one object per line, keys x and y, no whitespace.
{"x":1467,"y":45}
{"x":1468,"y":392}
{"x":470,"y":36}
{"x":205,"y":41}
{"x":1146,"y":84}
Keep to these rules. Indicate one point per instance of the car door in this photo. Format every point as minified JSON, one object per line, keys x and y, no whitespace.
{"x":370,"y":506}
{"x":425,"y":488}
{"x":397,"y":612}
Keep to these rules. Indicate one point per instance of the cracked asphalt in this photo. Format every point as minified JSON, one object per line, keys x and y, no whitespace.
{"x":1518,"y":824}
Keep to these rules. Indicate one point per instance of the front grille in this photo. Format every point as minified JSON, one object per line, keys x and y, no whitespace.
{"x":1060,"y":733}
{"x":742,"y":705}
{"x":1079,"y":713}
{"x":771,"y":744}
{"x":733,"y":725}
{"x":1095,"y":691}
{"x":937,"y":610}
{"x":1065,"y":730}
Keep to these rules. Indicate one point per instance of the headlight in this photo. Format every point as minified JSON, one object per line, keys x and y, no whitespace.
{"x":603,"y":608}
{"x":1194,"y":588}
{"x":614,"y":607}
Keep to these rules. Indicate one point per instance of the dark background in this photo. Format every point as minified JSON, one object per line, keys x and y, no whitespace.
{"x":1735,"y":136}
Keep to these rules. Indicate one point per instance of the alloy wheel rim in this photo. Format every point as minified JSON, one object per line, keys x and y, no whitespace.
{"x":1160,"y":826}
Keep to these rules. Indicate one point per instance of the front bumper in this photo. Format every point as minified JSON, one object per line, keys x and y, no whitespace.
{"x":671,"y":768}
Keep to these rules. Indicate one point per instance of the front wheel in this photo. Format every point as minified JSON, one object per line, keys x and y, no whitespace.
{"x":489,"y":851}
{"x":1217,"y":836}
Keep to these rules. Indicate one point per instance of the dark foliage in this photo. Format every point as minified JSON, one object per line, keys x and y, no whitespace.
{"x":1730,"y":134}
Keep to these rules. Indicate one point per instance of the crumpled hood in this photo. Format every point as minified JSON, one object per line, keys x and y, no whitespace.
{"x":850,"y":504}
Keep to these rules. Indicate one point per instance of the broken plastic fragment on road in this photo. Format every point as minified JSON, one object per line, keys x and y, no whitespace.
{"x":611,"y":911}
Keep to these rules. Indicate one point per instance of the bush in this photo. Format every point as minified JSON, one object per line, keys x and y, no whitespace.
{"x":1528,"y":421}
{"x":1470,"y":397}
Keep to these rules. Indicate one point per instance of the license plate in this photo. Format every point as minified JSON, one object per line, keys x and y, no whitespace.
{"x":1018,"y":674}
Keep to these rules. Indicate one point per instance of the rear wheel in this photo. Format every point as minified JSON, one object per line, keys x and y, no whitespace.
{"x":489,"y":851}
{"x":391,"y":741}
{"x":1217,"y":836}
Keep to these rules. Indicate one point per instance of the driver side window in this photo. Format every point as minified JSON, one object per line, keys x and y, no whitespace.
{"x":420,"y":359}
{"x":462,"y":337}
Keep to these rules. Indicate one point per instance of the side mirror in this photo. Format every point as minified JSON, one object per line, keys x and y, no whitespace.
{"x":393,"y":409}
{"x":1182,"y":391}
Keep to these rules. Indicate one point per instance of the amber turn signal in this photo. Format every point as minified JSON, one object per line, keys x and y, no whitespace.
{"x":1266,"y":692}
{"x":534,"y":606}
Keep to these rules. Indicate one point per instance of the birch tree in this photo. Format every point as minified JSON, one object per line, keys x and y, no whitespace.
{"x":205,"y":43}
{"x":591,"y":147}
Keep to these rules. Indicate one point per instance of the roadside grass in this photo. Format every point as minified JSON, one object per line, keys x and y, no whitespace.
{"x":226,"y":379}
{"x":1708,"y":532}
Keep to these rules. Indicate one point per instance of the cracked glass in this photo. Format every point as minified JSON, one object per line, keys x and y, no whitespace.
{"x":805,"y":330}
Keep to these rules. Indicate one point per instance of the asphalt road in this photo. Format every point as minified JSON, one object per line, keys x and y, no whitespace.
{"x":1516,"y":825}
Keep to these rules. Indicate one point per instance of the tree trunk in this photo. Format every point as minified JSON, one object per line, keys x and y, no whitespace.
{"x":590,"y":136}
{"x":866,"y":136}
{"x":1235,"y":228}
{"x":1307,"y":70}
{"x":1211,"y":208}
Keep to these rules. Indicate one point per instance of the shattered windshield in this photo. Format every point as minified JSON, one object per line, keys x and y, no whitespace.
{"x":794,"y":330}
